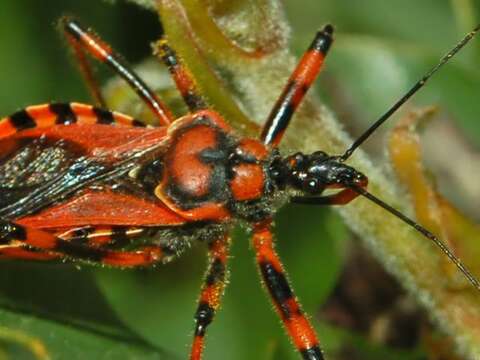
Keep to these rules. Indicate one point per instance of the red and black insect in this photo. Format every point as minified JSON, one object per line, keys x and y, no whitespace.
{"x":80,"y":182}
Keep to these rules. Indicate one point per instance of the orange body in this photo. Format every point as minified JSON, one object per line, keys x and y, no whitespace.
{"x":206,"y":171}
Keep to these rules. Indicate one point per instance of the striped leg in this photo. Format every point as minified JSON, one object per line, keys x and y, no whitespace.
{"x":48,"y":115}
{"x":22,"y":252}
{"x":84,"y":40}
{"x":102,"y":236}
{"x":298,"y":84}
{"x":14,"y":235}
{"x":181,"y":75}
{"x":287,"y":306}
{"x":211,"y":293}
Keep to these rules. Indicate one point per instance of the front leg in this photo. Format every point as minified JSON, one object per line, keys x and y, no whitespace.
{"x":211,"y":293}
{"x":286,"y":304}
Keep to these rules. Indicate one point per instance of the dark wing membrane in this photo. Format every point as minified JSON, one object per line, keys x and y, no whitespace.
{"x":38,"y":174}
{"x":31,"y":164}
{"x":38,"y":170}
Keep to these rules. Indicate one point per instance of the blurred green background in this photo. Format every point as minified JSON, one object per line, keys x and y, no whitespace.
{"x":381,"y":48}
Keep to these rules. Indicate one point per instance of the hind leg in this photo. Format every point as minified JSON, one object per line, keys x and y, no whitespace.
{"x":83,"y":40}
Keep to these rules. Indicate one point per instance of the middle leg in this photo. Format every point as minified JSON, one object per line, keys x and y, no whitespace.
{"x":286,"y":304}
{"x":211,"y":293}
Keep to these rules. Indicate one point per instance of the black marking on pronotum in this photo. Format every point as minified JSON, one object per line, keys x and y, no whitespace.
{"x":103,"y":116}
{"x":210,"y":155}
{"x":22,"y":120}
{"x":218,"y":190}
{"x":204,"y":317}
{"x":314,"y":353}
{"x":150,"y":174}
{"x":216,"y":273}
{"x":277,"y":285}
{"x":64,"y":112}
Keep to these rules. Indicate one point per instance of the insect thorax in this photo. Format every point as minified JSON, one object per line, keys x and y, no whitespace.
{"x":207,"y":173}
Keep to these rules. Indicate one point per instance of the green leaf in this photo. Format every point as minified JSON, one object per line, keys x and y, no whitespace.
{"x":159,"y":304}
{"x":59,"y":307}
{"x":58,"y":341}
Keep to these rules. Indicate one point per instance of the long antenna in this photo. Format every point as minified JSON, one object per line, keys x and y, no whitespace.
{"x":471,"y":278}
{"x":409,"y":94}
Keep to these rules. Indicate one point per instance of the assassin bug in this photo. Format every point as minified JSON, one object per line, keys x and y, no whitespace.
{"x":80,"y":182}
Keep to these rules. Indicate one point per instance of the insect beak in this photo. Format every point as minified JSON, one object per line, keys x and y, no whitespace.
{"x":360,"y":180}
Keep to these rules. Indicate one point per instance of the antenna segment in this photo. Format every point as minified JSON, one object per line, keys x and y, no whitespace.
{"x":409,"y":94}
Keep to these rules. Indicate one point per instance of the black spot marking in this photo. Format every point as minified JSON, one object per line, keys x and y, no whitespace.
{"x":103,"y":116}
{"x":138,"y":123}
{"x":22,"y":120}
{"x":10,"y":231}
{"x":278,"y":287}
{"x":120,"y":237}
{"x":150,"y":175}
{"x":313,"y":353}
{"x":80,"y":236}
{"x":79,"y":252}
{"x":169,"y":57}
{"x":193,"y":100}
{"x":64,"y":112}
{"x":203,"y":317}
{"x":216,"y":273}
{"x":210,"y":155}
{"x":19,"y":233}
